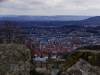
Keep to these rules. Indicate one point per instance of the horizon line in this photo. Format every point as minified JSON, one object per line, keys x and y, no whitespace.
{"x":49,"y":15}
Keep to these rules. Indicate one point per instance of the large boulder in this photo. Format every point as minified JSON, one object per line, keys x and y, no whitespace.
{"x":14,"y":59}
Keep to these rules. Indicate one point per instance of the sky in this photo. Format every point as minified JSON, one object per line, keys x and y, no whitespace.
{"x":50,"y":7}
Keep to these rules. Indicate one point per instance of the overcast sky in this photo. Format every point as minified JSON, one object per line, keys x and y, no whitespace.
{"x":49,"y":7}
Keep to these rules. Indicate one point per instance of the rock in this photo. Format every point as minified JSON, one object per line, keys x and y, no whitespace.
{"x":14,"y":59}
{"x":82,"y":67}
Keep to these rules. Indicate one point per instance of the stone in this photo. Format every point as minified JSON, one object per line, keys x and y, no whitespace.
{"x":14,"y":59}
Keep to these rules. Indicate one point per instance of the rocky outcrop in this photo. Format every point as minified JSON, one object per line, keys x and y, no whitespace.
{"x":14,"y":59}
{"x":82,"y":68}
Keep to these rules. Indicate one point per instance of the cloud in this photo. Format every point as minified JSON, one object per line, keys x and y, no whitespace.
{"x":2,"y":0}
{"x":50,"y":7}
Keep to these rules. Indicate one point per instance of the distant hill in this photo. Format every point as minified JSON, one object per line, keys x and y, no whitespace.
{"x":43,"y":18}
{"x":92,"y":21}
{"x":50,"y":21}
